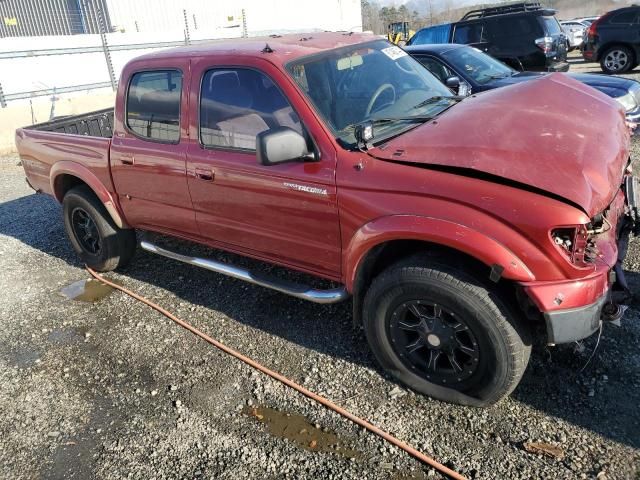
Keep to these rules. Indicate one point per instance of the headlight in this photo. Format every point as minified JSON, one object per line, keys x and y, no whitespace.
{"x":575,"y":244}
{"x":628,"y":101}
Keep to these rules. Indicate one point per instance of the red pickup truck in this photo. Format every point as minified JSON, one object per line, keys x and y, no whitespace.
{"x":454,"y":224}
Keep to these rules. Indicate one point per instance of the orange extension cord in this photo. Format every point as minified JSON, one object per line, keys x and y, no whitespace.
{"x":323,"y":401}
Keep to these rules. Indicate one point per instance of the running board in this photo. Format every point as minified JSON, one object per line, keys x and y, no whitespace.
{"x":297,"y":290}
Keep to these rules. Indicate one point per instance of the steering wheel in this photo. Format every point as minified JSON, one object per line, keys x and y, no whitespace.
{"x":377,"y":93}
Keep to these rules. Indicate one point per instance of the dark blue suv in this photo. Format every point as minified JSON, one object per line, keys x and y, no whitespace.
{"x":525,"y":36}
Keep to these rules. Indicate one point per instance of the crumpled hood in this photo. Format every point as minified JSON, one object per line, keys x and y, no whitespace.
{"x":553,"y":133}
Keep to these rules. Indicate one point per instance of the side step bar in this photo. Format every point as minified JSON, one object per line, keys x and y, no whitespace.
{"x":333,"y":295}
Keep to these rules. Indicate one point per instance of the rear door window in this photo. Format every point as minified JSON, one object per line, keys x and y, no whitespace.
{"x":630,"y":16}
{"x":509,"y":27}
{"x":237,"y":104}
{"x":153,"y":105}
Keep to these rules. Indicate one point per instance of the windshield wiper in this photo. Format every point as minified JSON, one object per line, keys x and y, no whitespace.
{"x":436,"y":99}
{"x":382,"y":121}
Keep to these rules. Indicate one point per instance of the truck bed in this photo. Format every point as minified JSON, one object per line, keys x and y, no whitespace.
{"x":74,"y":145}
{"x":94,"y":124}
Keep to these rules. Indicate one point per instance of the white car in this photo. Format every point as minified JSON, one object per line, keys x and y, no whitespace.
{"x":587,"y":21}
{"x":575,"y":32}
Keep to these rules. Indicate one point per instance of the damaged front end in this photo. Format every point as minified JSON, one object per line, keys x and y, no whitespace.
{"x":577,"y":309}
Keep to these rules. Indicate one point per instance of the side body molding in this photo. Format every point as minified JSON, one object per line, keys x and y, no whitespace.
{"x":428,"y":229}
{"x":75,"y":169}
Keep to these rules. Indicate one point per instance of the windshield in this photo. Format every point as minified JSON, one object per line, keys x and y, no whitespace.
{"x":366,"y":82}
{"x":480,"y":67}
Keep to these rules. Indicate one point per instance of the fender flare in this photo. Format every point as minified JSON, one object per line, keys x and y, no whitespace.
{"x":428,"y":229}
{"x":81,"y":172}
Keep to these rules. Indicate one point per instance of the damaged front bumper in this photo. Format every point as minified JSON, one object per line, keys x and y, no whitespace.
{"x":564,"y":326}
{"x":575,"y":309}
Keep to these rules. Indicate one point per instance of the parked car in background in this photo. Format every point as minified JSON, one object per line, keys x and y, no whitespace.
{"x":467,"y":70}
{"x":586,"y":20}
{"x":614,"y":40}
{"x":525,"y":36}
{"x":574,"y":32}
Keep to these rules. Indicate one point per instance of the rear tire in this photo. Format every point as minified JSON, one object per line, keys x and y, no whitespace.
{"x":617,"y":59}
{"x":416,"y":313}
{"x":97,"y":240}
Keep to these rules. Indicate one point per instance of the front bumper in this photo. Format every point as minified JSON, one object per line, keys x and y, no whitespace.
{"x":564,"y":326}
{"x":573,"y":309}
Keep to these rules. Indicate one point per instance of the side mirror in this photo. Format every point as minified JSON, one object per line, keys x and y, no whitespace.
{"x":281,"y":144}
{"x":453,"y":83}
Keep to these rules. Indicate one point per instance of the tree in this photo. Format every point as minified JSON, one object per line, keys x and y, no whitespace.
{"x":385,"y":16}
{"x":403,"y":13}
{"x":393,"y":15}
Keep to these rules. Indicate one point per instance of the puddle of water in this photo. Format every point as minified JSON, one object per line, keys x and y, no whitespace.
{"x":297,"y":429}
{"x":89,"y":290}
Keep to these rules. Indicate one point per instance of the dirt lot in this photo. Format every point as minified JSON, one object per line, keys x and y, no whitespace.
{"x":110,"y":389}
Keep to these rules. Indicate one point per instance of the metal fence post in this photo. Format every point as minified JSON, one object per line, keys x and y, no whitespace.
{"x":244,"y":24}
{"x":105,"y":48}
{"x":187,"y":40}
{"x":3,"y":103}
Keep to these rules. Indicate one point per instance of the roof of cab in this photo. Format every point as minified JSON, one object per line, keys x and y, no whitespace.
{"x":285,"y":47}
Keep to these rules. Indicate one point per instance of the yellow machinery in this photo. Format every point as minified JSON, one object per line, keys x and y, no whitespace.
{"x":399,"y":32}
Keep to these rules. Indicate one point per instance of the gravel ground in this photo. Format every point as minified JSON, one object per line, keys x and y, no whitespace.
{"x":111,"y":389}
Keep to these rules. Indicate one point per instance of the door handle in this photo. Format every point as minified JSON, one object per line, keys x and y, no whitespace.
{"x":204,"y":174}
{"x":127,"y":159}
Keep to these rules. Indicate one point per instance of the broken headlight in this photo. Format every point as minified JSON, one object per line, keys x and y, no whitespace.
{"x":577,"y":243}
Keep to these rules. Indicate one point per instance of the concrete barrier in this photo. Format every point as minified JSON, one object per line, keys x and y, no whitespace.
{"x":19,"y":114}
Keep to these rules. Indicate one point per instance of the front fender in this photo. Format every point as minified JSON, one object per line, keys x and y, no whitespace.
{"x":66,"y":167}
{"x":428,"y":229}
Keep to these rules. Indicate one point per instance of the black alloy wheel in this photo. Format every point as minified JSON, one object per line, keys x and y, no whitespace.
{"x":86,"y":231}
{"x":434,"y":342}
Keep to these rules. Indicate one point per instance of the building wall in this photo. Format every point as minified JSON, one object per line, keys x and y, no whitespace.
{"x":28,"y":74}
{"x":262,"y":15}
{"x":23,"y":18}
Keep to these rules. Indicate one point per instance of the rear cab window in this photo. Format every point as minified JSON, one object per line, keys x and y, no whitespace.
{"x":153,"y":105}
{"x":236,"y":104}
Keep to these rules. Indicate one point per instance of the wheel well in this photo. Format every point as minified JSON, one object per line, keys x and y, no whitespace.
{"x":65,"y":182}
{"x":389,"y":253}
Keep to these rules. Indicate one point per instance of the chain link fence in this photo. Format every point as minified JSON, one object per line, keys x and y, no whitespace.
{"x":107,"y":50}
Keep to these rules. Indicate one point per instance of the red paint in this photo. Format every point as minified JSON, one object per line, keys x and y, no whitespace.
{"x":556,"y":143}
{"x":548,"y":134}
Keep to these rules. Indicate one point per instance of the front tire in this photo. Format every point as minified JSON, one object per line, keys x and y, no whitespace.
{"x":444,"y":333}
{"x":617,"y":59}
{"x":97,"y":240}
